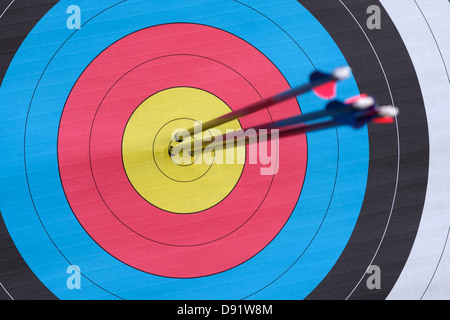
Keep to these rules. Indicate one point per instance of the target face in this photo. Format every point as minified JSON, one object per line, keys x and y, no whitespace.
{"x":87,"y":185}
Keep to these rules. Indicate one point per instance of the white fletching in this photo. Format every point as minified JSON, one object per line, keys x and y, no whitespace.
{"x":388,"y":111}
{"x":342,"y":73}
{"x":364,"y":103}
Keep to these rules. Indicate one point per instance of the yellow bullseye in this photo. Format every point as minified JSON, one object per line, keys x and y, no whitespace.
{"x":182,"y":184}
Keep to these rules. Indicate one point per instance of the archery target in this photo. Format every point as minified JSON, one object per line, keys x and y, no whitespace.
{"x":84,"y":184}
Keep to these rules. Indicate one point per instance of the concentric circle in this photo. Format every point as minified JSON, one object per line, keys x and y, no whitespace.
{"x":287,"y":180}
{"x":174,"y":183}
{"x":172,"y":131}
{"x":109,"y":127}
{"x":337,"y":160}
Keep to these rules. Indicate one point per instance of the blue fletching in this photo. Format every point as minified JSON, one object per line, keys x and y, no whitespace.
{"x":317,"y":75}
{"x":333,"y":105}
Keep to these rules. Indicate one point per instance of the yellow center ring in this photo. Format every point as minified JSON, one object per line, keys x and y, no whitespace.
{"x":193,"y":184}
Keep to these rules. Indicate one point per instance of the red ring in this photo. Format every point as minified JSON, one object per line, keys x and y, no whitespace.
{"x":114,"y":187}
{"x":80,"y":187}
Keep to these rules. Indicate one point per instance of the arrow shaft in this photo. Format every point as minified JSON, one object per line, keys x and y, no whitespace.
{"x":241,"y":138}
{"x":265,"y":103}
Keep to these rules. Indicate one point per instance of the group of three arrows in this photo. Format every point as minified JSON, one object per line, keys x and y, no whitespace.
{"x":355,"y":112}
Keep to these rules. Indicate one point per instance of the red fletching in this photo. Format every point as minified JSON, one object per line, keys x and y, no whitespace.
{"x":355,"y":98}
{"x":384,"y":120}
{"x":326,"y":91}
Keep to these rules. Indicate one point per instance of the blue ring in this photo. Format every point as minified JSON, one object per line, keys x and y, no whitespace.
{"x":303,"y":252}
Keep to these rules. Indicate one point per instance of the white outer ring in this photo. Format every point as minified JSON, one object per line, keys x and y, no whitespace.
{"x":423,"y":26}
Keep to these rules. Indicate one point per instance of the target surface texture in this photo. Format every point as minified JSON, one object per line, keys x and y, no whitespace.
{"x":322,"y":241}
